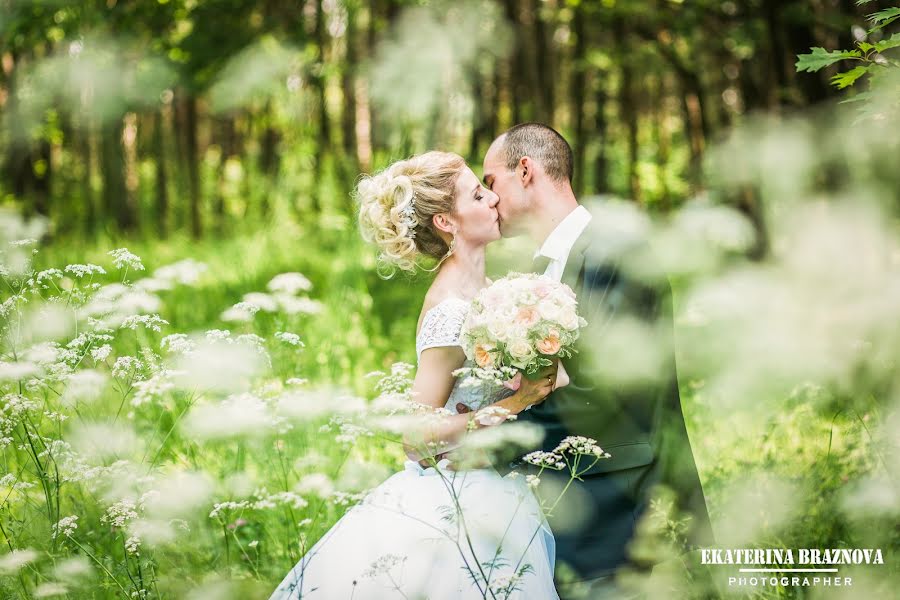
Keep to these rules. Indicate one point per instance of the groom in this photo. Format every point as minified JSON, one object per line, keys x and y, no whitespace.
{"x":635,"y":417}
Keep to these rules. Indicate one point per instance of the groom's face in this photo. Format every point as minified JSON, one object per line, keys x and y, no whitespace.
{"x":513,"y":203}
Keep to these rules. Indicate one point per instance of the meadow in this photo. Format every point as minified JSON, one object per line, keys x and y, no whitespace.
{"x":166,"y":410}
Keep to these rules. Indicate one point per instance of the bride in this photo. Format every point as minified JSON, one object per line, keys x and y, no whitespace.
{"x":426,"y":532}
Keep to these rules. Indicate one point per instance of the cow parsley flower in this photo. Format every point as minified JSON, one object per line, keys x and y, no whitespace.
{"x":289,"y":338}
{"x":177,"y":343}
{"x":550,"y":460}
{"x":65,"y":527}
{"x":102,"y":353}
{"x":149,"y":321}
{"x":80,"y":271}
{"x":123,"y":259}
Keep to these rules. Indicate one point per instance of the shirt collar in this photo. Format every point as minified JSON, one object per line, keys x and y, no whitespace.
{"x":563,"y":237}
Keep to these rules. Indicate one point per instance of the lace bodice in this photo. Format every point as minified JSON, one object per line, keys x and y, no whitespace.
{"x":441,"y":326}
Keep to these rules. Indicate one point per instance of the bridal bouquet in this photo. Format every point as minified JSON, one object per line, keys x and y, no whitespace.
{"x":519,"y":324}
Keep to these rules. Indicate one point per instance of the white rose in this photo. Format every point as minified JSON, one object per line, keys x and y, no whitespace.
{"x":569,"y":320}
{"x":520,"y":349}
{"x":550,"y":310}
{"x":498,"y":328}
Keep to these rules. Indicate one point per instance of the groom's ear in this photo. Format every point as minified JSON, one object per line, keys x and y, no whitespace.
{"x":525,"y":171}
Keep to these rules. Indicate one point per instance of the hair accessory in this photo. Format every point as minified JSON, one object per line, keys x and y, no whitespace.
{"x":408,"y":218}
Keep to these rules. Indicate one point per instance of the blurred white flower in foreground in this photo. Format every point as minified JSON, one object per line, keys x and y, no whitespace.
{"x":222,"y":365}
{"x":237,"y":415}
{"x":289,"y":283}
{"x":184,"y":272}
{"x":16,"y":559}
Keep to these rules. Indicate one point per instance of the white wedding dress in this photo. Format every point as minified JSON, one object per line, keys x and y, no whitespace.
{"x":406,"y":540}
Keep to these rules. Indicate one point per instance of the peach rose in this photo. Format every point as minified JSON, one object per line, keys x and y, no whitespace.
{"x":527,"y":316}
{"x":483,"y":356}
{"x":550,"y":344}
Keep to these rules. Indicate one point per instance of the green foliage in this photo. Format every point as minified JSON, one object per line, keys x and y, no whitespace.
{"x":820,"y":58}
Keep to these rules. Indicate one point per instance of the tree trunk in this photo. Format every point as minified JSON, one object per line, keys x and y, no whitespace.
{"x":519,"y":68}
{"x":226,"y":138}
{"x":348,"y":87}
{"x":112,"y":170}
{"x":193,"y":167}
{"x":663,"y":144}
{"x":161,"y":189}
{"x":579,"y":82}
{"x":543,"y":66}
{"x":601,"y":163}
{"x":84,"y":148}
{"x":628,"y":112}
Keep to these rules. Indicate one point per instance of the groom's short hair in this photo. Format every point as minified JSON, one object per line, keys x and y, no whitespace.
{"x":541,"y":143}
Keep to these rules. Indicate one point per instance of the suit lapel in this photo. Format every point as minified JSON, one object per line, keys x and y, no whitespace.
{"x":575,"y":262}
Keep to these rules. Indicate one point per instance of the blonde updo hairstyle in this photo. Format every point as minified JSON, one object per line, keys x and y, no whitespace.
{"x":428,"y":183}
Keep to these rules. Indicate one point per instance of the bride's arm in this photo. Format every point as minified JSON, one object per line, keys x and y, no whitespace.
{"x":432,"y":386}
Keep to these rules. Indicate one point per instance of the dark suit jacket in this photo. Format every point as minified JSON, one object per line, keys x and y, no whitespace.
{"x":637,"y":419}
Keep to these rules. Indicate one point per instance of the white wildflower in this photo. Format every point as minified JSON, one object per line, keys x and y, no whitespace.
{"x":218,"y":334}
{"x":127,"y":366}
{"x":13,"y":371}
{"x":289,"y":338}
{"x":86,"y":384}
{"x":151,"y":285}
{"x":293,"y":306}
{"x":549,"y":460}
{"x":120,"y":513}
{"x":80,"y":271}
{"x":15,"y":560}
{"x":578,"y":444}
{"x":133,"y":545}
{"x":154,"y":387}
{"x":177,"y":343}
{"x":289,"y":283}
{"x":262,"y":301}
{"x":237,"y":415}
{"x":65,"y":527}
{"x":185,"y":272}
{"x":242,"y":312}
{"x":123,"y":259}
{"x":50,"y":588}
{"x":493,"y":415}
{"x":102,"y":353}
{"x":149,"y":321}
{"x":47,"y":275}
{"x":315,"y":483}
{"x":43,"y":353}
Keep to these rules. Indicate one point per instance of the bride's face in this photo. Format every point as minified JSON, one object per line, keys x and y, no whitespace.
{"x":475,"y":213}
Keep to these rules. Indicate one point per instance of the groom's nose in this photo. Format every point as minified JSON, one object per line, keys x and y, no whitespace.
{"x":494,"y":200}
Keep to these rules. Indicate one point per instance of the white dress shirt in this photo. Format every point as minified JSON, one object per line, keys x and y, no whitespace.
{"x":560,"y":241}
{"x":557,"y":247}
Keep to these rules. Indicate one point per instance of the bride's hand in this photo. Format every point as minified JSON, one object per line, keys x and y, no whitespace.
{"x":534,"y":391}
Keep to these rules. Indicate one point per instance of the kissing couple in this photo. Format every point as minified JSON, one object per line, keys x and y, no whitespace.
{"x":444,"y":533}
